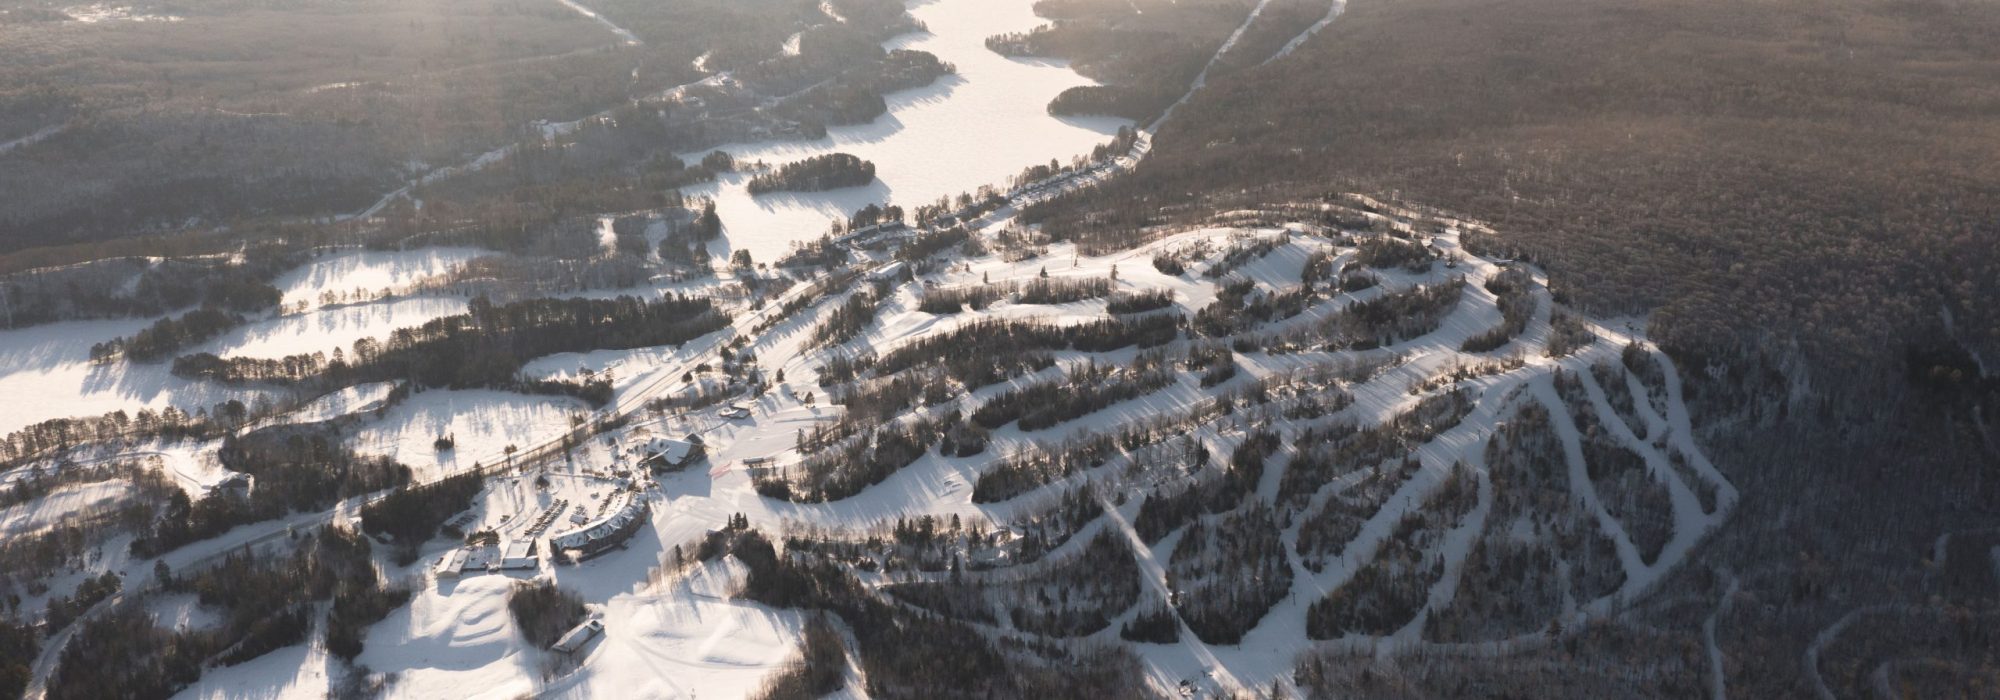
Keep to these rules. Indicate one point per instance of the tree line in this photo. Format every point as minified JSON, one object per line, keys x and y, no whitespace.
{"x":822,"y":172}
{"x":296,"y":469}
{"x":484,"y":347}
{"x":412,"y":515}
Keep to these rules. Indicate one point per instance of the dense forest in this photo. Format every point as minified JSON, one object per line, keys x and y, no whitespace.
{"x":263,"y":603}
{"x":329,"y":122}
{"x":1145,"y":53}
{"x":1830,"y":314}
{"x":134,"y":286}
{"x":484,"y":347}
{"x":904,"y":653}
{"x":823,"y":172}
{"x":818,"y":671}
{"x":19,"y":645}
{"x":1718,"y":189}
{"x":413,"y":516}
{"x":543,"y":611}
{"x":296,"y":469}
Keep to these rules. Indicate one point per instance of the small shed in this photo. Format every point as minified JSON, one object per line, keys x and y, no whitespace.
{"x":577,"y":636}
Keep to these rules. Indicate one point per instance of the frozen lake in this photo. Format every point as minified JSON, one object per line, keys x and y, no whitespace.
{"x":978,"y":127}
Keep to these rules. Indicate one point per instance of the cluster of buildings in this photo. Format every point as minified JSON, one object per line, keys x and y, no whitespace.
{"x":620,"y":516}
{"x":597,"y":526}
{"x":513,"y":555}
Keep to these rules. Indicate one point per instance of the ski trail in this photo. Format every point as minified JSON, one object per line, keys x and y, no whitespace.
{"x":1455,"y":547}
{"x":1656,"y":424}
{"x":1201,"y":79}
{"x":1833,"y":632}
{"x":1155,"y":576}
{"x":1437,"y":457}
{"x":1880,"y":677}
{"x":854,"y":677}
{"x":622,"y":33}
{"x":1579,"y":481}
{"x":1690,"y":523}
{"x":1950,"y":329}
{"x":1718,"y":683}
{"x":1332,"y":13}
{"x":33,"y":138}
{"x":1681,"y":432}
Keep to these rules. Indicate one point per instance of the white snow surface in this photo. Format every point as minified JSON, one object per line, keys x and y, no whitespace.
{"x":484,"y":422}
{"x":353,"y":399}
{"x":65,"y":503}
{"x":366,"y":273}
{"x":326,"y":328}
{"x":46,"y":372}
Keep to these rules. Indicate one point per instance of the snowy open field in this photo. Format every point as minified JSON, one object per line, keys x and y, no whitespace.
{"x":366,"y":274}
{"x":51,"y":363}
{"x":483,"y":421}
{"x":326,"y":328}
{"x":65,"y":503}
{"x":46,"y":372}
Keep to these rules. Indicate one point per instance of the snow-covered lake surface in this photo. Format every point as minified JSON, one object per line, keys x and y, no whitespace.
{"x":978,"y":127}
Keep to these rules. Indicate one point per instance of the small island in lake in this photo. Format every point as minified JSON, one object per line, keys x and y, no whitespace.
{"x":823,"y":172}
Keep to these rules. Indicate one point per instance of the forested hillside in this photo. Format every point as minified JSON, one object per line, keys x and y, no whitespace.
{"x":209,"y":114}
{"x":1818,"y":174}
{"x":1801,"y":199}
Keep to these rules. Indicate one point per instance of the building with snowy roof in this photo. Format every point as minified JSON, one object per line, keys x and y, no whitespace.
{"x":671,"y":453}
{"x":519,"y":554}
{"x":577,"y":636}
{"x":620,"y":519}
{"x":452,"y":563}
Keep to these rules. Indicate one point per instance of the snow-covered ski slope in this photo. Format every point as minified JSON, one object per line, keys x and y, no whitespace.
{"x":1643,"y":417}
{"x":1672,"y":497}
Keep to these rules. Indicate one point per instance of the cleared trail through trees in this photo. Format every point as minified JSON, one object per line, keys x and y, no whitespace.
{"x":31,"y":139}
{"x":1201,"y":79}
{"x":626,"y":35}
{"x":1718,"y":681}
{"x":1332,"y":13}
